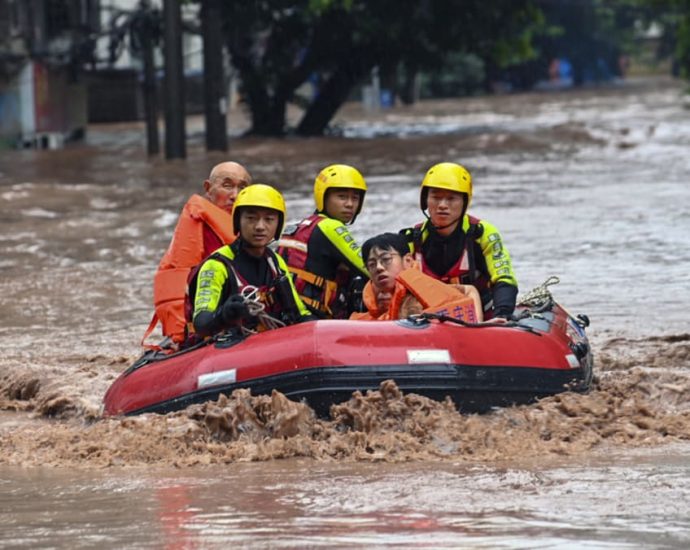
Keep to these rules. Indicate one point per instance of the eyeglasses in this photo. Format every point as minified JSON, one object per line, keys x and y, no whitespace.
{"x":385,"y":260}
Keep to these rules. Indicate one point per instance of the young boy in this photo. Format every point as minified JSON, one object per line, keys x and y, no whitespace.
{"x":320,"y":252}
{"x":398,"y":288}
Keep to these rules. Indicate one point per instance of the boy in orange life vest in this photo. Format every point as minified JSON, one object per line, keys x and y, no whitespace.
{"x":205,"y":224}
{"x":320,"y":252}
{"x":398,"y":289}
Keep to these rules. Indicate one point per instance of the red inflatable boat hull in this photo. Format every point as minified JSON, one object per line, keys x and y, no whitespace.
{"x":323,"y":362}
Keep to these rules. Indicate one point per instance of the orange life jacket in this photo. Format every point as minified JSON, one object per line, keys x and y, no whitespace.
{"x":185,"y":251}
{"x":433,"y":295}
{"x":369,"y":299}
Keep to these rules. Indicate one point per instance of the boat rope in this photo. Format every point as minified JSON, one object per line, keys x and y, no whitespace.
{"x":540,"y":297}
{"x":257,"y":309}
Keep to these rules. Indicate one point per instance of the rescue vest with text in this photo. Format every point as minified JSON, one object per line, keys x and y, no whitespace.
{"x":493,"y":266}
{"x":322,"y":276}
{"x":433,"y":296}
{"x":218,"y":278}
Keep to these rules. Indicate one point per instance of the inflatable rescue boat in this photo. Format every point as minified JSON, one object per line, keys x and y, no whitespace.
{"x":541,"y":352}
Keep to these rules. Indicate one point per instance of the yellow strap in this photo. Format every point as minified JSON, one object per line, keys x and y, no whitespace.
{"x":329,"y":293}
{"x":329,"y":289}
{"x":311,"y":302}
{"x":309,"y":277}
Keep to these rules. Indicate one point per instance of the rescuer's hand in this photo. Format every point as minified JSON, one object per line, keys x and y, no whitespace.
{"x":235,"y":308}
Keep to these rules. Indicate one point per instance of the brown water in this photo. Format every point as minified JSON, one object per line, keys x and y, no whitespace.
{"x":589,"y":185}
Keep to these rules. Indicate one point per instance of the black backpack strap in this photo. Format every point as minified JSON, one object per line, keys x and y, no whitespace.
{"x":413,"y":236}
{"x":474,"y":233}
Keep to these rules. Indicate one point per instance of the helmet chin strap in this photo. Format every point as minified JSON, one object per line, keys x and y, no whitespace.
{"x":437,"y":227}
{"x":245,"y":244}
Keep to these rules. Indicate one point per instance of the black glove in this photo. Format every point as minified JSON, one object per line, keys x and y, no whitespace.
{"x":235,"y":309}
{"x":355,"y":301}
{"x":504,"y":296}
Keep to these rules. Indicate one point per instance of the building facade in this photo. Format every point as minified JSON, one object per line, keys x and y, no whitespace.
{"x":43,"y":44}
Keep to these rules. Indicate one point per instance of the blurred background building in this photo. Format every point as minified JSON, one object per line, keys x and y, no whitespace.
{"x":42,"y":100}
{"x":67,"y":63}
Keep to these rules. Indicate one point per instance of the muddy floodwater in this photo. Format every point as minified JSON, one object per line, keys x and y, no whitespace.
{"x":592,"y":186}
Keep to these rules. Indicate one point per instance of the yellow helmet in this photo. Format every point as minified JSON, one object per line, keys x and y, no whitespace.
{"x":262,"y":196}
{"x":339,"y":176}
{"x":449,"y":176}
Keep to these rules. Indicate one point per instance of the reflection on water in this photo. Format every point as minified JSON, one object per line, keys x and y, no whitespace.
{"x":505,"y":505}
{"x":587,"y":185}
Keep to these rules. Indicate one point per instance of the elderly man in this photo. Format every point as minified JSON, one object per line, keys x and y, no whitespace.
{"x":204,"y":225}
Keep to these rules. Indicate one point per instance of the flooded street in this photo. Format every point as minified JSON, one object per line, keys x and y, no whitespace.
{"x":588,"y":185}
{"x":276,"y":504}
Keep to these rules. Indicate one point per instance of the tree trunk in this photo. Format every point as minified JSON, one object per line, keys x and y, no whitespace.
{"x":215,"y":101}
{"x":175,"y":146}
{"x":257,"y":98}
{"x":268,"y":112}
{"x":149,"y":91}
{"x":409,"y":91}
{"x":268,"y":116}
{"x":331,"y":97}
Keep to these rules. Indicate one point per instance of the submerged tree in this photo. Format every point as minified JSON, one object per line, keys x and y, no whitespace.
{"x":591,"y":34}
{"x":277,"y":45}
{"x":673,"y":16}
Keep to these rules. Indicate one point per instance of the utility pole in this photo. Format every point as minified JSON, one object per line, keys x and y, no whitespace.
{"x":147,"y":36}
{"x":175,"y":138}
{"x":215,"y":102}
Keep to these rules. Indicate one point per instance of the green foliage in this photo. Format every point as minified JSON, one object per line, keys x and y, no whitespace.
{"x":461,"y":74}
{"x":591,"y":34}
{"x":525,"y":27}
{"x":318,"y":7}
{"x":683,"y":47}
{"x":673,"y":16}
{"x":276,"y":45}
